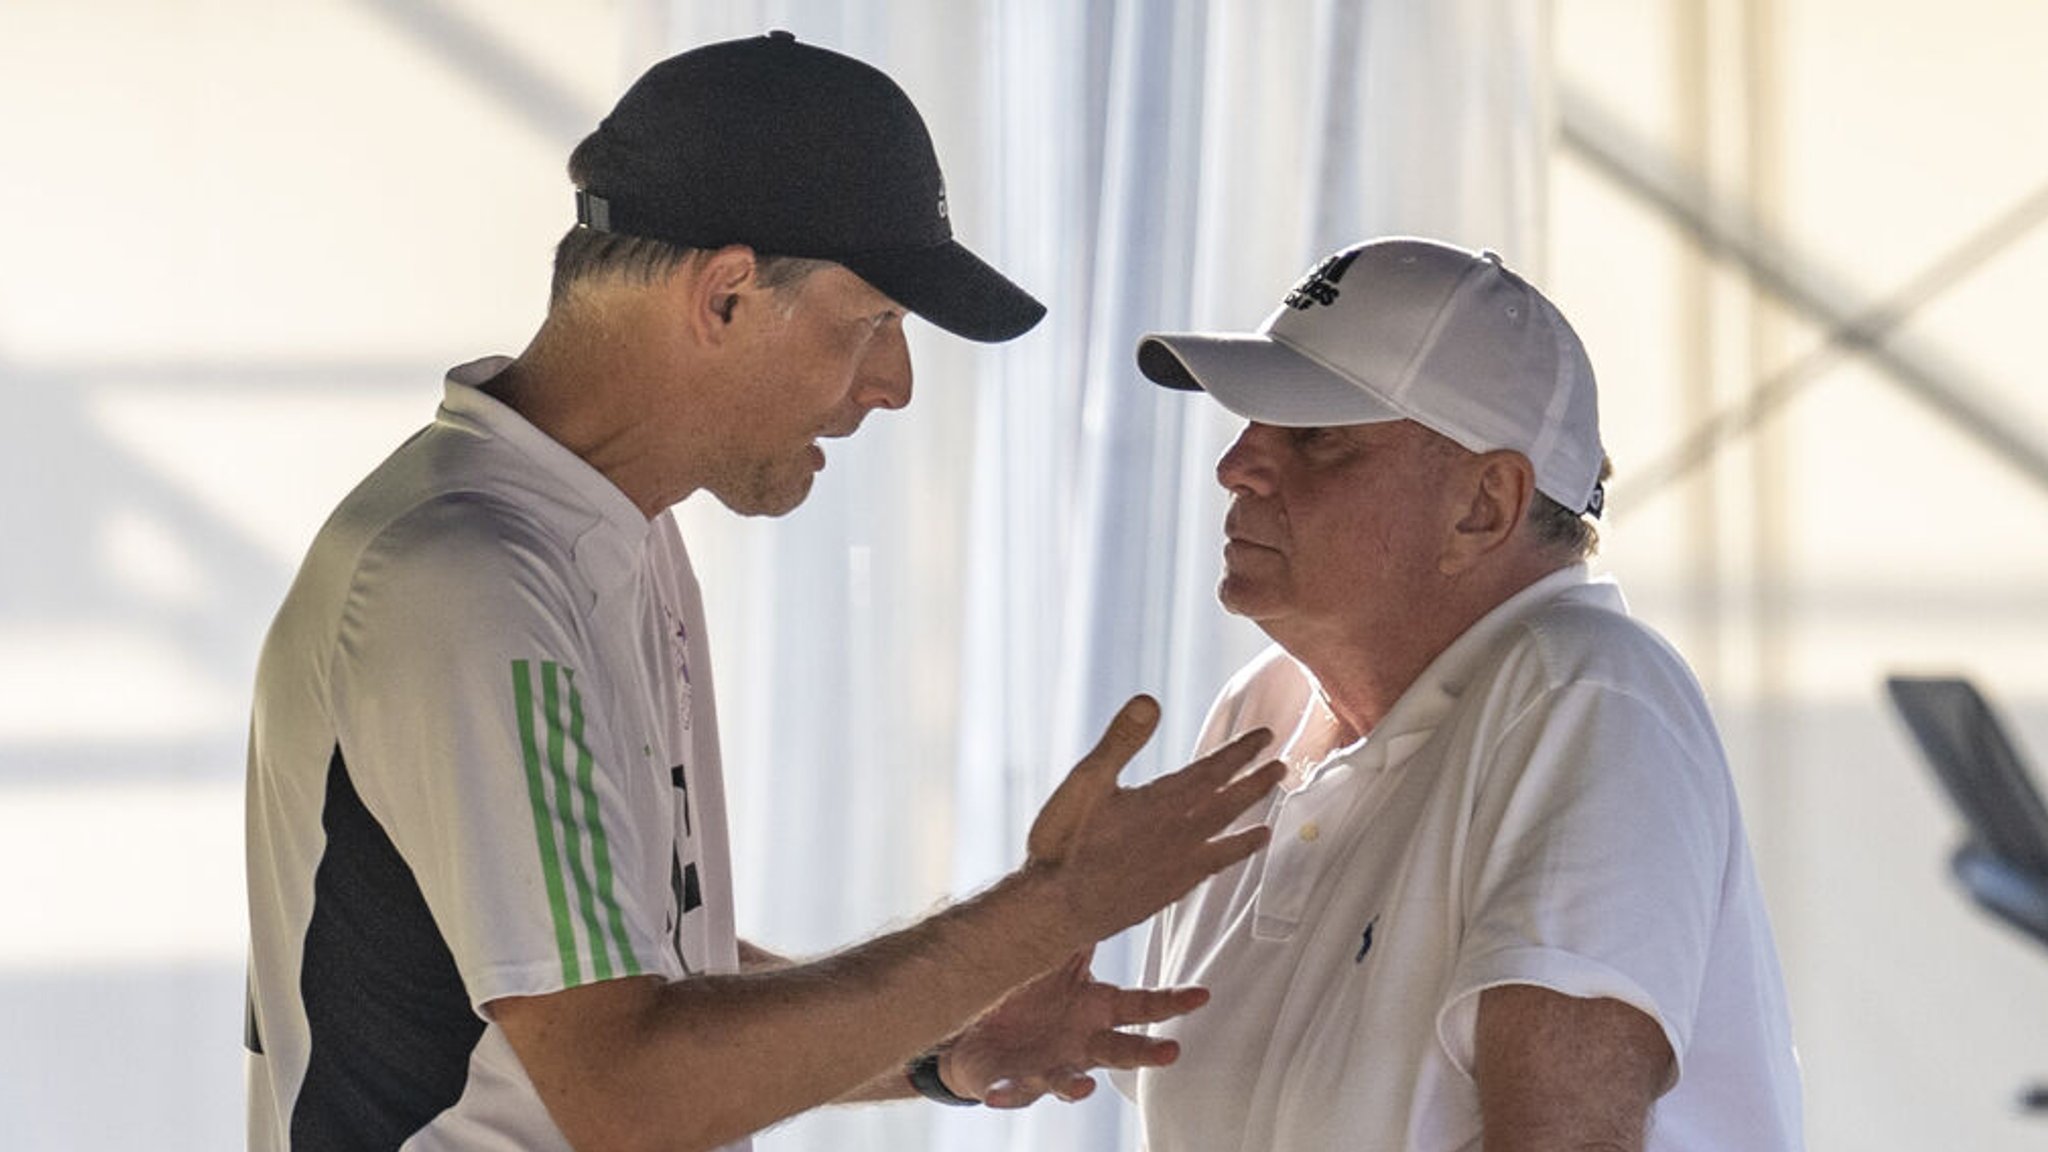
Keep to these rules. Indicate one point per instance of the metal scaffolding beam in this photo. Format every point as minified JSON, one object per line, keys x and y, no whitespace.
{"x":1727,"y":232}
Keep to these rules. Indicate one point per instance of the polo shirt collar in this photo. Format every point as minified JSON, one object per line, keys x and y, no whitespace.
{"x":607,"y":531}
{"x":1427,"y":701}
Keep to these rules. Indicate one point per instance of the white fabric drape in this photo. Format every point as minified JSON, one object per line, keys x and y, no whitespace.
{"x":909,"y":662}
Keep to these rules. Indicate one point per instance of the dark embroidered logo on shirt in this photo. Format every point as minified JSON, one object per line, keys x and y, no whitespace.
{"x":1320,"y":285}
{"x":1365,"y":943}
{"x":683,"y":883}
{"x":680,"y":779}
{"x":688,"y":893}
{"x":689,"y":896}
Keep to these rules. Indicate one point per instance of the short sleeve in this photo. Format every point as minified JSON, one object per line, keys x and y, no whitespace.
{"x":1595,"y":863}
{"x":470,"y":707}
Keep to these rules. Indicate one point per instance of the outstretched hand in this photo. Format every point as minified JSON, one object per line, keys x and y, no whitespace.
{"x":1046,"y":1035}
{"x":1121,"y":854}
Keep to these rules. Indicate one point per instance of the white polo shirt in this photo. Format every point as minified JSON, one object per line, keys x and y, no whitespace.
{"x":1548,"y":804}
{"x":483,"y":762}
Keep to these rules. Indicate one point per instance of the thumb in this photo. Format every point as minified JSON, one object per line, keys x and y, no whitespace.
{"x":1094,"y":777}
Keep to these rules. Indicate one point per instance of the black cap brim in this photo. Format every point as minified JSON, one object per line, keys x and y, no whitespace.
{"x":952,"y":288}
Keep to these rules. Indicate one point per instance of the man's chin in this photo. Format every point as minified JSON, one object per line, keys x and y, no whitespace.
{"x":778,"y":499}
{"x":1241,"y":597}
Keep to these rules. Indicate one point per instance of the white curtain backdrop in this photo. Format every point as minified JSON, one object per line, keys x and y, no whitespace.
{"x":909,"y":662}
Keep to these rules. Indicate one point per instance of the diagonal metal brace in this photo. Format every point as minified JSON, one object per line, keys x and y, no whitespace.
{"x":1726,"y":232}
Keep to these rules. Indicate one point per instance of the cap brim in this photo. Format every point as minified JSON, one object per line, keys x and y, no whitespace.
{"x":1260,"y":379}
{"x":951,"y":287}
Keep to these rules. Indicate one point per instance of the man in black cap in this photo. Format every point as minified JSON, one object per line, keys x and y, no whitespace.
{"x":488,"y":872}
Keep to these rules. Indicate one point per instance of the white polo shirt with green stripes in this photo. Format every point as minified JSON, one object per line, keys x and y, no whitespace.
{"x":483,"y":763}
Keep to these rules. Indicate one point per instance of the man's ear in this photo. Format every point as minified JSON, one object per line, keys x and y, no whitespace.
{"x":713,"y":286}
{"x":1494,"y":490}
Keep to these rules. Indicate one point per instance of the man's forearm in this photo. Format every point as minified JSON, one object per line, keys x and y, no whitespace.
{"x":707,"y":1060}
{"x":754,"y":958}
{"x":700,"y":1062}
{"x":893,"y":1084}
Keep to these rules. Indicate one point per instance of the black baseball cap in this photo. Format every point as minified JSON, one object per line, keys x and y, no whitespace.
{"x":794,"y":150}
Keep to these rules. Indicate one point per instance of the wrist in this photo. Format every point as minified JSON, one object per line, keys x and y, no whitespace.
{"x":926,"y":1075}
{"x":1040,"y":901}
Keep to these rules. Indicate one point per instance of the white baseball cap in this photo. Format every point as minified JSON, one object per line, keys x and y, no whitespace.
{"x":1410,"y":329}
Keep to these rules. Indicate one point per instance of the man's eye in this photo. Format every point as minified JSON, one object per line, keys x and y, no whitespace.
{"x":1310,"y":437}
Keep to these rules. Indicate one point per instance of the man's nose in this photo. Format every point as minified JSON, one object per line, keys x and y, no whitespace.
{"x":884,"y":374}
{"x":1247,"y":465}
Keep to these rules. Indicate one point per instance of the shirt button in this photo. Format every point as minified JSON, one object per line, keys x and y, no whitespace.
{"x":1309,"y":832}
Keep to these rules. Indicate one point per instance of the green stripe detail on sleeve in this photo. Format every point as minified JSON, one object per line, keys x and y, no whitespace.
{"x":600,"y":845}
{"x":556,"y":799}
{"x":565,"y":805}
{"x":543,"y":821}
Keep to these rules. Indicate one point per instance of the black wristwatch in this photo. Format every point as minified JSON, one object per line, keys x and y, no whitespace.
{"x":924,"y":1076}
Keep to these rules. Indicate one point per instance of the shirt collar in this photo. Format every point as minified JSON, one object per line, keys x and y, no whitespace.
{"x":607,"y":531}
{"x":1427,"y":701}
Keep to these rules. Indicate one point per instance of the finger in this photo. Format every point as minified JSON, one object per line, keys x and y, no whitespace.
{"x":1092,"y":778}
{"x":1066,"y":1084}
{"x":1224,"y":851}
{"x":1009,"y":1094}
{"x":1214,"y":770}
{"x":1152,"y":1005}
{"x":1219,"y":808}
{"x":1074,"y":1087}
{"x":1129,"y":1050}
{"x":1127,"y":732}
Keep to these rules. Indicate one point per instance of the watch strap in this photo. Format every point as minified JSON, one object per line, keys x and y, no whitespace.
{"x":923,"y":1073}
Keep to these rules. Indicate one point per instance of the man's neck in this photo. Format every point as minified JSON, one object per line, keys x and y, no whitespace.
{"x":1364,"y":668}
{"x":594,"y":387}
{"x":1361,"y":680}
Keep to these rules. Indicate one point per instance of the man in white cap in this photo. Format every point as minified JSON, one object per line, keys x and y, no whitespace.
{"x":489,"y":891}
{"x":1508,"y":902}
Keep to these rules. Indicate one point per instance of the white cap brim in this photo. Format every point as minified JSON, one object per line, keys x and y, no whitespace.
{"x":1262,"y":379}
